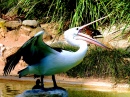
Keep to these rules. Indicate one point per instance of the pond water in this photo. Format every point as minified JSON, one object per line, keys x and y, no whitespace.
{"x":11,"y":88}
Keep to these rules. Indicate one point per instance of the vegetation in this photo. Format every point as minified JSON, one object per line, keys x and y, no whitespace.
{"x":69,"y":13}
{"x":104,"y":63}
{"x":101,"y":63}
{"x":75,"y":93}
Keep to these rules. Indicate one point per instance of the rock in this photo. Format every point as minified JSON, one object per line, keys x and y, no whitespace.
{"x":35,"y":31}
{"x":26,"y":30}
{"x":50,"y":92}
{"x":32,"y":23}
{"x":51,"y":28}
{"x":46,"y":36}
{"x":3,"y":31}
{"x":12,"y":35}
{"x":13,"y":24}
{"x":22,"y":39}
{"x":120,"y":44}
{"x":9,"y":51}
{"x":2,"y":63}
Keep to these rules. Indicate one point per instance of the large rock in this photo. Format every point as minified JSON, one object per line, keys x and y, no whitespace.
{"x":115,"y":37}
{"x":26,"y":28}
{"x":32,"y":23}
{"x":13,"y":24}
{"x":120,"y":44}
{"x":50,"y":92}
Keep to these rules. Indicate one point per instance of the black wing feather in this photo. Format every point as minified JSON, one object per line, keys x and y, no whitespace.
{"x":11,"y":62}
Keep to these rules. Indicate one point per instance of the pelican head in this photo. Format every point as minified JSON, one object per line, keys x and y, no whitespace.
{"x":74,"y":35}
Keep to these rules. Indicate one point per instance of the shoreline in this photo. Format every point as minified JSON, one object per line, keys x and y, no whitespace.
{"x":84,"y":84}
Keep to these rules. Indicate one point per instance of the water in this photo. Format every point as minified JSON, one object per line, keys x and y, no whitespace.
{"x":11,"y":88}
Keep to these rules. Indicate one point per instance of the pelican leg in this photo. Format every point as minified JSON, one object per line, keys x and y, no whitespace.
{"x":54,"y":81}
{"x":42,"y":84}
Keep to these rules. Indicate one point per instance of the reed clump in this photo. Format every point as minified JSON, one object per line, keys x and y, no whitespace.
{"x":71,"y":13}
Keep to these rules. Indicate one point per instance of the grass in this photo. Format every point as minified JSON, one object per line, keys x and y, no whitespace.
{"x":73,"y":93}
{"x":98,"y":62}
{"x":76,"y":12}
{"x":101,"y":63}
{"x":104,"y":63}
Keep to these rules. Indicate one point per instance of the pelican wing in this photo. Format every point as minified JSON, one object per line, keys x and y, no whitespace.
{"x":31,"y":51}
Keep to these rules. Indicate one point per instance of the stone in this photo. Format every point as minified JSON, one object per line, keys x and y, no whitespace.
{"x":51,"y":28}
{"x":46,"y":35}
{"x":13,"y":24}
{"x":48,"y":92}
{"x":120,"y":44}
{"x":26,"y":30}
{"x":9,"y":51}
{"x":34,"y":31}
{"x":12,"y":35}
{"x":32,"y":23}
{"x":3,"y":32}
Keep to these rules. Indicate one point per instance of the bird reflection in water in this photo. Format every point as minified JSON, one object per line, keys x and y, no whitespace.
{"x":37,"y":86}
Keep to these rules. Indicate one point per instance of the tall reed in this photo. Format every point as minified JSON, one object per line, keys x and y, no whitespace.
{"x":77,"y":12}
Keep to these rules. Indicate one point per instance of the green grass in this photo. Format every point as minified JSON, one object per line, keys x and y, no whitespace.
{"x":102,"y":63}
{"x":98,"y":62}
{"x":73,"y":93}
{"x":76,"y":12}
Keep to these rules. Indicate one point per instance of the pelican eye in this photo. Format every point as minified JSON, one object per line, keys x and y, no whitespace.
{"x":77,"y":28}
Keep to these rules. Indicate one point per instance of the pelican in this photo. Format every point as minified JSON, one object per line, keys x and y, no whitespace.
{"x":44,"y":60}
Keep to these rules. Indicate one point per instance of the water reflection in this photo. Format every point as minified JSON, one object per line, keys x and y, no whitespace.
{"x":10,"y":88}
{"x":11,"y":92}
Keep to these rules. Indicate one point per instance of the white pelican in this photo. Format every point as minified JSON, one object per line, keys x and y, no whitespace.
{"x":43,"y":60}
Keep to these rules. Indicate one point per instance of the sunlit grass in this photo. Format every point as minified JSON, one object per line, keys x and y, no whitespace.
{"x":73,"y":93}
{"x":78,"y":12}
{"x":98,"y":62}
{"x":101,"y":63}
